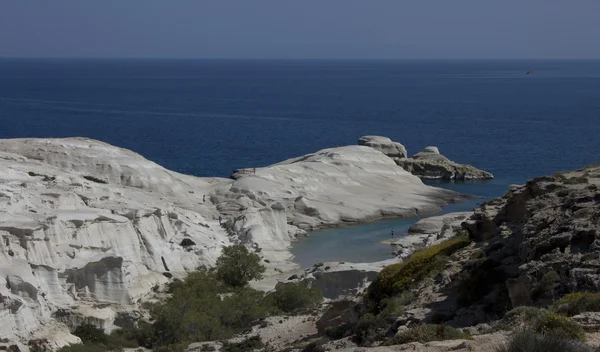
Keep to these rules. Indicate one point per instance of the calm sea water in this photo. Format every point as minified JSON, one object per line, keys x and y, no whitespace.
{"x":208,"y":117}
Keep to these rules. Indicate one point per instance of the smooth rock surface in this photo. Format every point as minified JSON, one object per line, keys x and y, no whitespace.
{"x":88,"y":229}
{"x":384,"y":145}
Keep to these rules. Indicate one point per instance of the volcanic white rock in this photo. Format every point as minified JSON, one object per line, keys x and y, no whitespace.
{"x":384,"y":145}
{"x":88,"y":229}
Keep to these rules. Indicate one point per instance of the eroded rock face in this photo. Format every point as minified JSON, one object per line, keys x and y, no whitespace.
{"x":542,"y":238}
{"x":88,"y":229}
{"x":384,"y":145}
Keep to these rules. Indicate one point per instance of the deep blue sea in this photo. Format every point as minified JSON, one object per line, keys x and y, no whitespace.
{"x":206,"y":117}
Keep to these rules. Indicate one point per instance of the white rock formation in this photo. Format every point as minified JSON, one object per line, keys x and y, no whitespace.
{"x":427,"y":164}
{"x":384,"y":145}
{"x":88,"y":229}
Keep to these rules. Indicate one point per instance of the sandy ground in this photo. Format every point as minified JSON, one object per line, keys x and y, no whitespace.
{"x":286,"y":330}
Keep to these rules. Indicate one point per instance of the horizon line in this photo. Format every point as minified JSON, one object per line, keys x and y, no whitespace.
{"x":284,"y":58}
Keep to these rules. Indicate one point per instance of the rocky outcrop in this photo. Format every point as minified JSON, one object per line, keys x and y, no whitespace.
{"x":430,"y":164}
{"x":426,"y":164}
{"x":384,"y":145}
{"x":338,"y":280}
{"x":334,"y":186}
{"x":88,"y":229}
{"x":543,"y":237}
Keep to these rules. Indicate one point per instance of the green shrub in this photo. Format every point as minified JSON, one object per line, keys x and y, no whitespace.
{"x":201,"y":308}
{"x":425,"y":263}
{"x":426,"y":333}
{"x":560,"y":326}
{"x":543,"y":321}
{"x":366,"y":329}
{"x":237,"y":266}
{"x":547,"y":281}
{"x":90,"y":334}
{"x":247,"y":345}
{"x":393,"y":307}
{"x":524,"y":315}
{"x":575,"y":303}
{"x":295,"y":297}
{"x":529,"y":341}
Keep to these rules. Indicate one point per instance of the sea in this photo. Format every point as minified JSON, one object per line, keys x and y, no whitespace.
{"x":208,"y":117}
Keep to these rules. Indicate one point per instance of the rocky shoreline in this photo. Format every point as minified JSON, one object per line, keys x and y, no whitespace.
{"x":89,"y":229}
{"x":90,"y":232}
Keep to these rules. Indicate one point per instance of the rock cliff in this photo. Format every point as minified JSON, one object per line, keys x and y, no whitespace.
{"x":87,"y":230}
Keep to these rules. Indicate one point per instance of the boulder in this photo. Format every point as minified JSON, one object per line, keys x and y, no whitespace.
{"x":384,"y":145}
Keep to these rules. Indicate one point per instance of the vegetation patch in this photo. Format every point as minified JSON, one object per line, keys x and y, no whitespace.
{"x":428,"y":332}
{"x":295,"y":298}
{"x":420,"y":265}
{"x":576,"y":303}
{"x":206,"y":306}
{"x":544,"y":322}
{"x":237,"y":266}
{"x":530,"y":341}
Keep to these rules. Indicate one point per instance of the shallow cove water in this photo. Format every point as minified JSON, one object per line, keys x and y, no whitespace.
{"x":362,"y":243}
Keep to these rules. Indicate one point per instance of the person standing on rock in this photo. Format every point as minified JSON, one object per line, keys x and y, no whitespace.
{"x":220,"y":219}
{"x":204,"y":198}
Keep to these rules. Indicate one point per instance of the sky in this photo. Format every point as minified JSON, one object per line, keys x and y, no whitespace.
{"x":301,"y":29}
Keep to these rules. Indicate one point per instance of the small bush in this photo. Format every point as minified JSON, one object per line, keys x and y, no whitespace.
{"x":420,"y":265}
{"x":237,"y":266}
{"x":295,"y":297}
{"x":543,"y":321}
{"x":392,"y":308}
{"x":529,"y":341}
{"x":523,"y":316}
{"x":366,"y":329}
{"x":426,"y":333}
{"x":548,"y":280}
{"x":90,"y":334}
{"x":247,"y":345}
{"x":560,"y":326}
{"x":575,"y":303}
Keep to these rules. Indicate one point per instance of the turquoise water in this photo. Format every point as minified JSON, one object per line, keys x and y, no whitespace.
{"x":361,"y":243}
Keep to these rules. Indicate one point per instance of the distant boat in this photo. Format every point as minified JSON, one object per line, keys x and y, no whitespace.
{"x":530,"y":72}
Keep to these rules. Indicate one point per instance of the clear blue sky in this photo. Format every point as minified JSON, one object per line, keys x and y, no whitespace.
{"x":301,"y":28}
